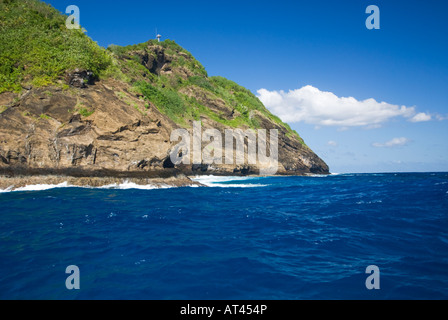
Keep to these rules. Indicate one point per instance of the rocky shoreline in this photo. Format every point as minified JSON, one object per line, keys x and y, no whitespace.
{"x":22,"y":177}
{"x":13,"y":182}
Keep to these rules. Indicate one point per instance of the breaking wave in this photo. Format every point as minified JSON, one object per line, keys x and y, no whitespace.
{"x":122,"y":186}
{"x":224,"y":181}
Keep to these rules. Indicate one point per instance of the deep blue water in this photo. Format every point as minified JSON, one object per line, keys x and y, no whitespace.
{"x":288,"y":238}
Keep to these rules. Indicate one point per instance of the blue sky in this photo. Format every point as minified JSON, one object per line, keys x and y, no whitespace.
{"x":307,"y":56}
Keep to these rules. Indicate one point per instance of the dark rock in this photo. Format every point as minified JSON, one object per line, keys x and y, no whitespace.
{"x":167,"y":163}
{"x":79,"y":78}
{"x":199,"y":167}
{"x":4,"y":160}
{"x":244,"y":170}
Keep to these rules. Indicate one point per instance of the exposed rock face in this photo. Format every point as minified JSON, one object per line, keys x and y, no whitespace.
{"x":107,"y":130}
{"x":79,"y":78}
{"x":45,"y":130}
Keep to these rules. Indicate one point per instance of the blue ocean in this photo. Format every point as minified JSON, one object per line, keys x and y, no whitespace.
{"x":270,"y":238}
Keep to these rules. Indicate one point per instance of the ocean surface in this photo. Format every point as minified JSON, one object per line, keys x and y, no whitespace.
{"x":241,"y":238}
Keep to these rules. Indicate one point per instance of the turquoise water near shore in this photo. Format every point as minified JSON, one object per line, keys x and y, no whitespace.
{"x":241,"y":238}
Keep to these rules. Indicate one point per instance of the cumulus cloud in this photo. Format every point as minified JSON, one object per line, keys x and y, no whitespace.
{"x":332,"y":143}
{"x":310,"y":105}
{"x":395,"y":142}
{"x":420,"y":117}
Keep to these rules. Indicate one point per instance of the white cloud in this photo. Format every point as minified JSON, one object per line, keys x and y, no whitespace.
{"x":332,"y":143}
{"x":420,"y":117}
{"x":395,"y":142}
{"x":309,"y":104}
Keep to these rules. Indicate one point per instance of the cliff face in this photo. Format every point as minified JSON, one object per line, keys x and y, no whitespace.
{"x":118,"y":123}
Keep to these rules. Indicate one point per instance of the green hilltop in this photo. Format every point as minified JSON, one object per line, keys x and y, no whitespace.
{"x":36,"y":49}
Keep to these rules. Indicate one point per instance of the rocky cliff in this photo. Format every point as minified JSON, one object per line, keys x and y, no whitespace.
{"x":115,"y":119}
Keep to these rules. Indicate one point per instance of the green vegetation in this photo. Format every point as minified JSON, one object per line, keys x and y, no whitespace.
{"x":44,"y":116}
{"x":201,"y":82}
{"x":167,"y":100}
{"x":36,"y":47}
{"x":83,"y":110}
{"x":3,"y":109}
{"x":121,"y":95}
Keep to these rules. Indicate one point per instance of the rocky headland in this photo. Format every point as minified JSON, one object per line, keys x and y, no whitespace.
{"x":112,"y":122}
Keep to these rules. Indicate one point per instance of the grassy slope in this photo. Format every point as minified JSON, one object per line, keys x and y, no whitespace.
{"x":37,"y":49}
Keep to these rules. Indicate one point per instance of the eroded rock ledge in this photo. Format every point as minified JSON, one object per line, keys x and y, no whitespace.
{"x":19,"y":181}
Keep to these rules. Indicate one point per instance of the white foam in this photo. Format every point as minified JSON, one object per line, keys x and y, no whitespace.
{"x":217,"y":181}
{"x":209,"y":181}
{"x":317,"y":175}
{"x":131,"y":185}
{"x":7,"y":189}
{"x":221,"y":185}
{"x":125,"y":185}
{"x":41,"y":187}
